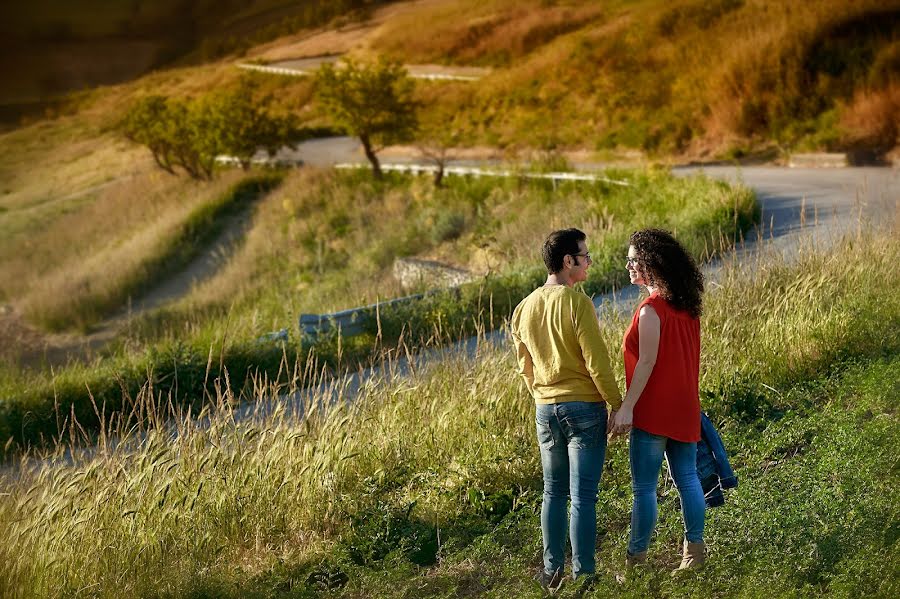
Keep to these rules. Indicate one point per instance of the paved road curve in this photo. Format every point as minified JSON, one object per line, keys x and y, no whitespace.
{"x":791,"y":198}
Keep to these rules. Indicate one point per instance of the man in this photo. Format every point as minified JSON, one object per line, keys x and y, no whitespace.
{"x":566,"y":367}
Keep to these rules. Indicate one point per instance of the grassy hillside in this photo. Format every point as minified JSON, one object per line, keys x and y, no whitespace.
{"x":690,"y":78}
{"x":429,"y":485}
{"x":725,"y":78}
{"x":319,"y":242}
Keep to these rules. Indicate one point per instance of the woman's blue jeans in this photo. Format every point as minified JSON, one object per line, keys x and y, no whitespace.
{"x":646,"y":454}
{"x":572,"y":437}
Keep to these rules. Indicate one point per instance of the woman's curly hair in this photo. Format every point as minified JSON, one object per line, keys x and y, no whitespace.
{"x":666,"y":265}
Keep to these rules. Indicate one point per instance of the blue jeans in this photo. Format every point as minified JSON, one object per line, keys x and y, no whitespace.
{"x":572,"y":437}
{"x":646,"y":455}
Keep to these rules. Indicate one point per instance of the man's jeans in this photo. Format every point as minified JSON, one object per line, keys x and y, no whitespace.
{"x":646,"y":454}
{"x":572,"y":437}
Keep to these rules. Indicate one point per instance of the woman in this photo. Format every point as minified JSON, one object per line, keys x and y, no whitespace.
{"x":661,"y":408}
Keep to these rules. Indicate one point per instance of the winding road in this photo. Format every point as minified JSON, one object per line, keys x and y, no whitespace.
{"x":796,"y":205}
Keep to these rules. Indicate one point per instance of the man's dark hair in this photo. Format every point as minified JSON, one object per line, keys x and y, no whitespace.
{"x":558,"y":245}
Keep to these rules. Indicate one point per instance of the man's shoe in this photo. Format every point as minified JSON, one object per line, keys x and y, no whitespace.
{"x":635,"y":560}
{"x":552,"y":582}
{"x":694,"y":557}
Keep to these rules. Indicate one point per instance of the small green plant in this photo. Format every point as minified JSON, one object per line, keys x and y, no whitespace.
{"x":447,"y":227}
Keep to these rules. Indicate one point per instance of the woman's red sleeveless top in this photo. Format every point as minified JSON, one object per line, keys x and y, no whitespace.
{"x":670,"y":403}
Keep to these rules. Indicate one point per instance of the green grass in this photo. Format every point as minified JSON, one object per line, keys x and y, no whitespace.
{"x":322,"y":242}
{"x":429,"y":485}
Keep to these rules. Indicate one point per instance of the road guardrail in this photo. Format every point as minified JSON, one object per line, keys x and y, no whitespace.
{"x":418,"y":169}
{"x":306,"y":73}
{"x":353,"y":321}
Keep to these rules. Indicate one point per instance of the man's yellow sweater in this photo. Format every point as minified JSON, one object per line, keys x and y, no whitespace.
{"x":560,"y":352}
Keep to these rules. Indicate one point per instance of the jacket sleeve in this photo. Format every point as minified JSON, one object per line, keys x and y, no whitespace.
{"x":710,"y":435}
{"x":593,"y":349}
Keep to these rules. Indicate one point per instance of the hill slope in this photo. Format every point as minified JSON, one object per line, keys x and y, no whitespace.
{"x":693,"y":78}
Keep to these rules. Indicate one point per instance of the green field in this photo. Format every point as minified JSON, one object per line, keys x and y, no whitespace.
{"x":321,"y":242}
{"x":429,"y":485}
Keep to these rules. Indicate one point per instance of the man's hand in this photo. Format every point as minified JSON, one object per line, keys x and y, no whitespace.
{"x":609,"y":421}
{"x":621,"y":423}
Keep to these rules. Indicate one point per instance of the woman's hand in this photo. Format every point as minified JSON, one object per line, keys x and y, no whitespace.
{"x":622,"y":420}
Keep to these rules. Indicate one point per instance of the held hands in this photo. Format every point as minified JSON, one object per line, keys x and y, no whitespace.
{"x":620,"y":421}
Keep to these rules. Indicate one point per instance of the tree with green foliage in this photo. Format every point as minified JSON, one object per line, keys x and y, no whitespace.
{"x":194,"y":147}
{"x":240,"y":122}
{"x":175,"y":131}
{"x":190,"y":134}
{"x":148,"y":123}
{"x":373,"y":102}
{"x":438,"y":135}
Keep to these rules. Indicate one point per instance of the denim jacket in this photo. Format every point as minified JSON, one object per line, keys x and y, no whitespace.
{"x":713,"y":469}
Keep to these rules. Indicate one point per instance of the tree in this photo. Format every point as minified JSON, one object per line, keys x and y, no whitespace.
{"x":240,"y":123}
{"x":190,"y":134}
{"x":146,"y":123}
{"x":437,"y":137}
{"x":173,"y":131}
{"x":372,"y":102}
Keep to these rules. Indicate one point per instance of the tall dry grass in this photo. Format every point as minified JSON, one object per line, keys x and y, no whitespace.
{"x":65,"y":231}
{"x":493,"y":33}
{"x":83,"y":263}
{"x":177,"y":505}
{"x":871,"y":118}
{"x":326,"y":241}
{"x":687,"y":76}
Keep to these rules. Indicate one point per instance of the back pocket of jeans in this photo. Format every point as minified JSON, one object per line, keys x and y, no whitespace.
{"x":587,"y":428}
{"x":544,"y":435}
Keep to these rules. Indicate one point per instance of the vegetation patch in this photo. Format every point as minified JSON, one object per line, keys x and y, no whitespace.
{"x":82,"y":298}
{"x":332,"y":238}
{"x":635,"y":76}
{"x":430,"y":483}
